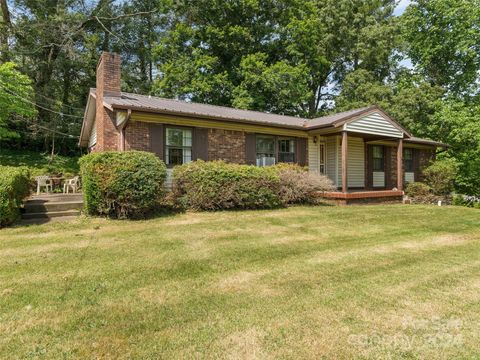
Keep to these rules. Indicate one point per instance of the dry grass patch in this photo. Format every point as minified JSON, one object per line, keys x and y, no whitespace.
{"x":302,"y":282}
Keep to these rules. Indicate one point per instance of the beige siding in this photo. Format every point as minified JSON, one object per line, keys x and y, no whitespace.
{"x":375,"y":124}
{"x":356,"y":162}
{"x":332,"y":159}
{"x":93,"y":135}
{"x":313,"y":161}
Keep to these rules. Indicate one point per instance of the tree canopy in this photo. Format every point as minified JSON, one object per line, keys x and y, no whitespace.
{"x":297,"y":57}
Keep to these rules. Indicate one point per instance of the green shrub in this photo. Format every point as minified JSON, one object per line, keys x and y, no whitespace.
{"x":216,"y":185}
{"x":440,"y":176}
{"x":467,"y":200}
{"x":14,"y":187}
{"x":417,"y":189}
{"x":298,"y":186}
{"x":122,"y":184}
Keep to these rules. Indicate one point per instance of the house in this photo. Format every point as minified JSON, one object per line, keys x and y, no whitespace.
{"x":365,"y":152}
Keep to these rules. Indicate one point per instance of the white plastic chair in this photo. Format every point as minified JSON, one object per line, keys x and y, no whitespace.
{"x":73,"y":184}
{"x":44,"y":181}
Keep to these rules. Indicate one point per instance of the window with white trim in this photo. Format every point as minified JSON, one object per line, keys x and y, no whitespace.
{"x":178,"y":146}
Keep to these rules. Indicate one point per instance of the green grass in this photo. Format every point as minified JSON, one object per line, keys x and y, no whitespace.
{"x":39,"y":163}
{"x":304,"y":282}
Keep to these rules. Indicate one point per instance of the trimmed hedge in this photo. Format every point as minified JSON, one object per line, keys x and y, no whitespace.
{"x":122,"y":184}
{"x":14,"y":187}
{"x":217,"y":185}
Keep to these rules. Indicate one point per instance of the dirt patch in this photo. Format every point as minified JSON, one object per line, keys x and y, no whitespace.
{"x":245,"y":344}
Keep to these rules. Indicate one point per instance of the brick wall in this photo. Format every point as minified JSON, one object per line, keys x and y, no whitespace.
{"x":226,"y":145}
{"x":425,"y":157}
{"x":108,"y":83}
{"x":137,"y":136}
{"x":393,"y":166}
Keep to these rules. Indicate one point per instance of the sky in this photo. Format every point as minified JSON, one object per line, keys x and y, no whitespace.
{"x":402,"y":5}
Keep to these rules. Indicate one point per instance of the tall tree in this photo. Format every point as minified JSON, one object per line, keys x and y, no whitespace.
{"x":442,"y":38}
{"x":209,"y":46}
{"x":16,"y":95}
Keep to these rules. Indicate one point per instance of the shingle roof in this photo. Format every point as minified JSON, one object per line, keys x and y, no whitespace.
{"x":417,"y":140}
{"x":186,"y":108}
{"x":157,"y":104}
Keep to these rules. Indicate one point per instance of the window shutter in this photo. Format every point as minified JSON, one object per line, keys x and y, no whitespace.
{"x":156,"y":139}
{"x":302,"y":151}
{"x":250,"y":148}
{"x":200,"y":144}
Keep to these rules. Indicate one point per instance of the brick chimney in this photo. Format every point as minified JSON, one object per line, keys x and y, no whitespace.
{"x":108,"y":84}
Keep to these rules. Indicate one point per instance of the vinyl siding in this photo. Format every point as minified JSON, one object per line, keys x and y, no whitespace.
{"x":313,"y":153}
{"x":374,"y":124}
{"x":356,"y":162}
{"x":93,"y":135}
{"x":332,"y":161}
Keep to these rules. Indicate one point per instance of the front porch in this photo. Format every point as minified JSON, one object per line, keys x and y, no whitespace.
{"x":363,"y":197}
{"x":367,"y":158}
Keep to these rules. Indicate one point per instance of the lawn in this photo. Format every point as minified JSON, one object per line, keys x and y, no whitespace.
{"x":304,"y":282}
{"x":39,"y":163}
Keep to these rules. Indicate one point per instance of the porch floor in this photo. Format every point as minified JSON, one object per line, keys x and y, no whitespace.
{"x":363,"y":196}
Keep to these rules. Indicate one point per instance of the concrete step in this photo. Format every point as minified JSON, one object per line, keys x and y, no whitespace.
{"x":39,"y":206}
{"x":50,"y":214}
{"x":43,"y":198}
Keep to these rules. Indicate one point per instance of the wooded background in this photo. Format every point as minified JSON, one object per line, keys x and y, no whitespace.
{"x":296,"y":57}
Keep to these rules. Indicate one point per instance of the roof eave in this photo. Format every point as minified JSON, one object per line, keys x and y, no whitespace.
{"x":210,"y":117}
{"x":87,"y":119}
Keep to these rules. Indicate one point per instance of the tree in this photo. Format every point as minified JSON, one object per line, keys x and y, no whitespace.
{"x":16,"y":94}
{"x":442,"y":37}
{"x":209,"y":45}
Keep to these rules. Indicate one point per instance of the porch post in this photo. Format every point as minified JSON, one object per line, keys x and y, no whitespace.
{"x":400,"y":164}
{"x":344,"y":161}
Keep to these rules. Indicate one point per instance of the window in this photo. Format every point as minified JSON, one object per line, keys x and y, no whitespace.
{"x":322,"y":158}
{"x":265,"y":146}
{"x":408,"y":159}
{"x":178,"y":145}
{"x":286,"y":150}
{"x":378,"y":163}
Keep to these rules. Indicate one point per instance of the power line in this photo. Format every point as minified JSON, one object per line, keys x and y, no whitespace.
{"x":39,"y":106}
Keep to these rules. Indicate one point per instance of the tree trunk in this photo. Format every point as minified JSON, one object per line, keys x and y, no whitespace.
{"x":4,"y":31}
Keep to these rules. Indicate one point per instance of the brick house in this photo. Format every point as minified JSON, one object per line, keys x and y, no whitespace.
{"x":360,"y":149}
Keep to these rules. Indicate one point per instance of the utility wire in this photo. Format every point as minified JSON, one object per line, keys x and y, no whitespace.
{"x":39,"y":106}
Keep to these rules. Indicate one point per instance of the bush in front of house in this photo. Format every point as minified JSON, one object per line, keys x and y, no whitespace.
{"x":298,"y":185}
{"x":122,"y":184}
{"x":418,"y":189}
{"x":440,"y":176}
{"x":467,"y":200}
{"x":217,"y":185}
{"x":14,"y":187}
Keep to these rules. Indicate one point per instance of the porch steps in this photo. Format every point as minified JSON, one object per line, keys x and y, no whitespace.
{"x":52,"y":206}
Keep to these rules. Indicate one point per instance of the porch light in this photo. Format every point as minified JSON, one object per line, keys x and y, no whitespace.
{"x":315,"y":139}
